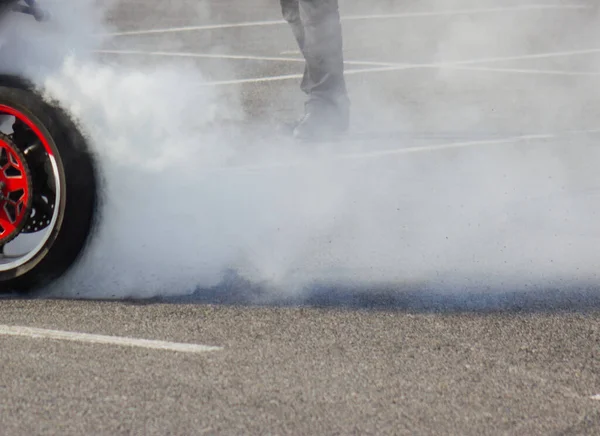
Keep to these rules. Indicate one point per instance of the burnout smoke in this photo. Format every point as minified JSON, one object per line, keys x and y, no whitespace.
{"x":189,"y":196}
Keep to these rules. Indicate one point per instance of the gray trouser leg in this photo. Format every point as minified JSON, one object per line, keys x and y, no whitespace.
{"x":290,"y":10}
{"x":318,"y":31}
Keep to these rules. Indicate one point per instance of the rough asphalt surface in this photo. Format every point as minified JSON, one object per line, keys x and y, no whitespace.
{"x":348,"y":362}
{"x":301,"y":371}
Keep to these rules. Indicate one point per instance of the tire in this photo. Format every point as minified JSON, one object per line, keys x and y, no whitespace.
{"x":75,"y":189}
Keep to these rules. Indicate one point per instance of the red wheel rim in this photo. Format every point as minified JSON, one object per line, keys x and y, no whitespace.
{"x":28,"y":147}
{"x":7,"y":110}
{"x":14,"y":207}
{"x":15,"y":187}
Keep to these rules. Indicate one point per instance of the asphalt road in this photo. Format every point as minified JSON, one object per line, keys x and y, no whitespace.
{"x":340,"y":361}
{"x":300,"y":371}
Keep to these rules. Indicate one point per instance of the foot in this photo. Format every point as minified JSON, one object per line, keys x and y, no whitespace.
{"x":320,"y":122}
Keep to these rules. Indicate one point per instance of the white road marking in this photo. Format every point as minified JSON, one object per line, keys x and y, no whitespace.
{"x":225,"y":56}
{"x":385,"y":66}
{"x":359,"y":62}
{"x":201,"y":55}
{"x":546,"y":55}
{"x":31,"y":332}
{"x":525,"y":71}
{"x":192,"y":28}
{"x":595,"y":397}
{"x":409,"y":150}
{"x":519,"y":8}
{"x":377,"y":67}
{"x":454,"y":145}
{"x":255,"y":80}
{"x":390,"y":69}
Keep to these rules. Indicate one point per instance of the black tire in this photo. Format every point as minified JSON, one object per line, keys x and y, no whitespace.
{"x":77,"y":201}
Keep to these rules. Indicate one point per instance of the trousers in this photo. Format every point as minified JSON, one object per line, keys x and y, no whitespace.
{"x":318,"y":31}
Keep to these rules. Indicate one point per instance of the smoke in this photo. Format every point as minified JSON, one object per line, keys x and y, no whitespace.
{"x":194,"y":187}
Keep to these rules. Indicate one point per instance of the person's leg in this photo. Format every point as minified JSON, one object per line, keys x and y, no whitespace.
{"x":291,"y":13}
{"x":290,"y":10}
{"x":324,"y":77}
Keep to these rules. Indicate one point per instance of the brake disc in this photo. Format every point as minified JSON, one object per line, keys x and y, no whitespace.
{"x":43,"y":201}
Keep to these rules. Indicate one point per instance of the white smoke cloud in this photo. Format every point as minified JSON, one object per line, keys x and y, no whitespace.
{"x":190,"y":194}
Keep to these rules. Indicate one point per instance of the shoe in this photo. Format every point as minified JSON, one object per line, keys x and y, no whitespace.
{"x":321,"y":122}
{"x":287,"y":127}
{"x":320,"y":125}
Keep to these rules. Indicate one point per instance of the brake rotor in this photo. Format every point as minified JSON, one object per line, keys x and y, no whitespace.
{"x":42,"y":207}
{"x":41,"y":214}
{"x":15,"y":190}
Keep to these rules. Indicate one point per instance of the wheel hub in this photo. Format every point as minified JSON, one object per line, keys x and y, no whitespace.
{"x":15,"y":190}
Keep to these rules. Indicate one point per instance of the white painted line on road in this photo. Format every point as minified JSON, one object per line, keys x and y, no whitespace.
{"x":595,"y":397}
{"x":360,"y":62}
{"x":385,"y":66}
{"x":391,"y":69}
{"x":235,"y":56}
{"x":552,"y":54}
{"x":411,"y":150}
{"x":254,"y":80}
{"x":378,"y":67}
{"x":519,"y":8}
{"x":524,"y":71}
{"x":451,"y":145}
{"x":225,"y":56}
{"x":31,"y":332}
{"x":200,"y":55}
{"x":192,"y":28}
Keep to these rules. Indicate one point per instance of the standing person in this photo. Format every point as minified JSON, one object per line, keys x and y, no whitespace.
{"x":318,"y":31}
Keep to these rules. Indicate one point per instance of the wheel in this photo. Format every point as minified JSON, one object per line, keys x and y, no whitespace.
{"x":48,"y":189}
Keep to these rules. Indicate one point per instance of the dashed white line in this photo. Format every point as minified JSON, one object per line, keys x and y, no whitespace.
{"x":519,"y":8}
{"x":31,"y":332}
